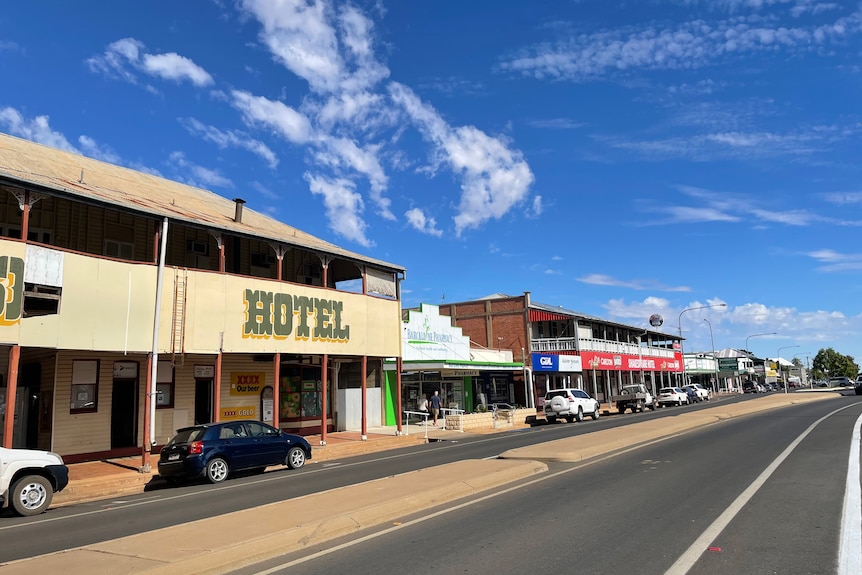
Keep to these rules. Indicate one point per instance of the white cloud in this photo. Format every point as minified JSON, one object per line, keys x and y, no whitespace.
{"x":343,"y":206}
{"x":420,"y":222}
{"x":538,"y":207}
{"x":493,"y":178}
{"x":36,"y":130}
{"x":605,"y":280}
{"x":592,"y":55}
{"x":287,"y":122}
{"x":230,"y":138}
{"x":835,"y":261}
{"x":199,"y":176}
{"x":129,"y":52}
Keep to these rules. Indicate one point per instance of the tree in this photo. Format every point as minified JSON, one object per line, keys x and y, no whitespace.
{"x":829,"y":363}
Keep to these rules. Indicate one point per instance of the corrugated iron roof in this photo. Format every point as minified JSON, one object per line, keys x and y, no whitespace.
{"x":27,"y":163}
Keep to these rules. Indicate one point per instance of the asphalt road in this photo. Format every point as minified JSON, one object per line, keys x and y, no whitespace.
{"x":639,"y":512}
{"x":73,"y":526}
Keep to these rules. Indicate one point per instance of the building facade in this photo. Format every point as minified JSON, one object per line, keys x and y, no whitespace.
{"x":133,"y":306}
{"x":437,"y":356}
{"x":567,"y":348}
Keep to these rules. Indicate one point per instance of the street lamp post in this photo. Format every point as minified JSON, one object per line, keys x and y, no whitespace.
{"x":679,"y":326}
{"x":714,"y":361}
{"x":757,"y":335}
{"x":778,"y":361}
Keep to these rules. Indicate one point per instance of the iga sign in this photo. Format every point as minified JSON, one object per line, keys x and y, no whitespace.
{"x":622,"y":362}
{"x":558,"y":363}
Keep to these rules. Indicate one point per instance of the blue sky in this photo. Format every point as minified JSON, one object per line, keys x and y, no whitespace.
{"x":615,"y":158}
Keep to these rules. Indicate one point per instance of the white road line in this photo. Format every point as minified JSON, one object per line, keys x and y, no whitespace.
{"x":850,"y":550}
{"x":694,"y":552}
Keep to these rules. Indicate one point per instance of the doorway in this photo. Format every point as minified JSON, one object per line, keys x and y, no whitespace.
{"x":25,"y":433}
{"x":203,"y":401}
{"x":124,"y":413}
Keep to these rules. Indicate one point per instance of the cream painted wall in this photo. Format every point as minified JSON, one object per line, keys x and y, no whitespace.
{"x":216,"y":305}
{"x":107,"y":306}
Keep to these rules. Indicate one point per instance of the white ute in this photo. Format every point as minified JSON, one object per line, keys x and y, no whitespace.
{"x":29,"y":478}
{"x":570,"y":404}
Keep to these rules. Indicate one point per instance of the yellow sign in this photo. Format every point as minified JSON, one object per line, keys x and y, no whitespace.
{"x":245,"y":412}
{"x":247,"y":383}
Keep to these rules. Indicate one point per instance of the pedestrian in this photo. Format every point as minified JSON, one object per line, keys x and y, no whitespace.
{"x":423,"y":407}
{"x":436,"y":403}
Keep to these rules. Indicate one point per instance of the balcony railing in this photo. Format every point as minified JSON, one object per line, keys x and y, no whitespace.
{"x":556,"y":344}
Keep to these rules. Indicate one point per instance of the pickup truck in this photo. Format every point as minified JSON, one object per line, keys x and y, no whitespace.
{"x":29,"y":478}
{"x":635,"y":397}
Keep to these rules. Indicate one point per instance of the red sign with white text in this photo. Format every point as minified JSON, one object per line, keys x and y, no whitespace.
{"x":622,"y":362}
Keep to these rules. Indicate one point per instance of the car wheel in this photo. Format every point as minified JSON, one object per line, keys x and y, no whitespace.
{"x":639,"y":407}
{"x":580,"y":415}
{"x":551,"y":418}
{"x":595,"y":414}
{"x":217,"y":470}
{"x":31,"y":495}
{"x":570,"y":418}
{"x":295,"y":458}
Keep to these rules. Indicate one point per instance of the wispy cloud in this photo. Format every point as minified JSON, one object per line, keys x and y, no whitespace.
{"x":197,"y":175}
{"x":556,"y":124}
{"x":230,"y":138}
{"x":641,"y":285}
{"x":590,"y":56}
{"x":836,"y":261}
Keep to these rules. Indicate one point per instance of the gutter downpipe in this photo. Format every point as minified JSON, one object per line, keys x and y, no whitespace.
{"x":160,"y":278}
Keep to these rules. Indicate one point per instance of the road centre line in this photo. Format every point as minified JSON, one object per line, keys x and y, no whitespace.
{"x":687,"y":560}
{"x":850,"y":546}
{"x":369,"y":537}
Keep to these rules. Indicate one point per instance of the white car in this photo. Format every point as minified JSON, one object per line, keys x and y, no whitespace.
{"x":29,"y":478}
{"x":672,"y":396}
{"x":703,"y":394}
{"x":569,"y":403}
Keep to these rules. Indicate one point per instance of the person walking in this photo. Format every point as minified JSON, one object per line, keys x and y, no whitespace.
{"x":436,"y":404}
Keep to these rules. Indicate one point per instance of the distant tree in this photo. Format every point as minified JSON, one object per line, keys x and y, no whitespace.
{"x":796,"y":362}
{"x":830,"y":363}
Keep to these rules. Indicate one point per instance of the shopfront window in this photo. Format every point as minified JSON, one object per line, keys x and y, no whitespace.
{"x":301,"y":393}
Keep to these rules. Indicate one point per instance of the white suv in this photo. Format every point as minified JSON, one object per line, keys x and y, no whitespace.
{"x":29,"y":478}
{"x":570,"y":404}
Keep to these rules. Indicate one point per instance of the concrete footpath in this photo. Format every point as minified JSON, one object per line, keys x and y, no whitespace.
{"x":228,"y":542}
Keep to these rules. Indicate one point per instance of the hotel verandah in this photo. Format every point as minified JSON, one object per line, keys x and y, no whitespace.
{"x":252,"y":318}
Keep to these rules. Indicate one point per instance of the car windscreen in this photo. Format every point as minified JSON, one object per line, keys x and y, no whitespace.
{"x":185,"y":436}
{"x":557,"y":393}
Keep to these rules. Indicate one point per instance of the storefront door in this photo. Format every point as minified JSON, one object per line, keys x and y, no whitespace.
{"x":124,"y":413}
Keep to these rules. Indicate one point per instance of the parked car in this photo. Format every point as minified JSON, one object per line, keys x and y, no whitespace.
{"x":840,"y":382}
{"x":672,"y":396}
{"x":751,"y":386}
{"x":29,"y":478}
{"x":570,"y":404}
{"x":703,"y":394}
{"x":214,"y":450}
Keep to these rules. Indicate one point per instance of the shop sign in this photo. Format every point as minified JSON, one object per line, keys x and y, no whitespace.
{"x":426,"y":335}
{"x":622,"y":362}
{"x":11,"y":289}
{"x":125,"y":369}
{"x":462,"y":372}
{"x":278,"y":315}
{"x":247,"y":383}
{"x":728,"y":363}
{"x":204,"y":371}
{"x":556,"y":363}
{"x":243,"y":412}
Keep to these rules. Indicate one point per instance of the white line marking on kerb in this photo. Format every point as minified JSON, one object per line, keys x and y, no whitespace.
{"x":694,"y":552}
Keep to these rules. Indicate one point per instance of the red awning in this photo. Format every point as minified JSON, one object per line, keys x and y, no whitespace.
{"x":539,"y":315}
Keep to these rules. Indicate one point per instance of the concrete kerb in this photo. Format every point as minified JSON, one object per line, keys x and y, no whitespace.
{"x":250,"y":536}
{"x":582,"y":447}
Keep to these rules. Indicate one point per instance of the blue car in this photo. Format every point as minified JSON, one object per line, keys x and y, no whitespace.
{"x":214,"y":450}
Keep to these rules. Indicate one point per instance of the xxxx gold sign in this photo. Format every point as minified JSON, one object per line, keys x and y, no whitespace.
{"x":280,"y":315}
{"x":11,"y":289}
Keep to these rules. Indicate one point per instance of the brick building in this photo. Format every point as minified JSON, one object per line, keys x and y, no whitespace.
{"x":567,"y":348}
